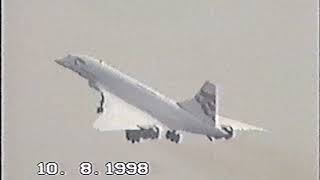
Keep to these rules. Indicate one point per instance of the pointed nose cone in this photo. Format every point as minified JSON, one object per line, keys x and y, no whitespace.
{"x":60,"y":62}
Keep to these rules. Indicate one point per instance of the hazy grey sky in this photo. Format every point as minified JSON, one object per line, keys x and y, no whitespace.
{"x":263,"y":55}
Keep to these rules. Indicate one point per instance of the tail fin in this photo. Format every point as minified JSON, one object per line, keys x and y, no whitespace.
{"x":203,"y":104}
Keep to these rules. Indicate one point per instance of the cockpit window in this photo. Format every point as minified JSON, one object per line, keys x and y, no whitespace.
{"x":79,"y":61}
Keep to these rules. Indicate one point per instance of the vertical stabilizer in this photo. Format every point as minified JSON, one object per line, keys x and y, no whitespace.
{"x":204,"y":103}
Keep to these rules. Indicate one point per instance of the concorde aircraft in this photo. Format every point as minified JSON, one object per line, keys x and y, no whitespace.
{"x":144,"y":113}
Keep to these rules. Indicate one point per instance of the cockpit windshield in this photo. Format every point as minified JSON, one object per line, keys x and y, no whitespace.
{"x":79,"y":61}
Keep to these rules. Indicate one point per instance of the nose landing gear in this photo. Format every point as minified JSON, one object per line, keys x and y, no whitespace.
{"x":100,"y":109}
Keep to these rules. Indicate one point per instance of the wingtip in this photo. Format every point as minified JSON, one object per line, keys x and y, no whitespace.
{"x":240,"y":126}
{"x":260,"y":130}
{"x":265,"y":130}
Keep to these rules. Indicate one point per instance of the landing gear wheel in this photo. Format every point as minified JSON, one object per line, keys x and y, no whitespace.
{"x":155,"y":133}
{"x":134,"y":141}
{"x":173,"y":136}
{"x":132,"y":136}
{"x":229,"y":131}
{"x":99,"y":110}
{"x":177,"y":138}
{"x":167,"y":134}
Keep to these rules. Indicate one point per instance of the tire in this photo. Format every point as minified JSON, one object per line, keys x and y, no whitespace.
{"x":167,"y":135}
{"x":177,"y":138}
{"x":99,"y":110}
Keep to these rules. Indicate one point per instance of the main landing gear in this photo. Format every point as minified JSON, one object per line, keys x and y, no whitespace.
{"x":173,"y":136}
{"x":100,"y":108}
{"x":143,"y":133}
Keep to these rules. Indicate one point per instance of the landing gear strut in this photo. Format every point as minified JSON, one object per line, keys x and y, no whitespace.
{"x":100,"y":108}
{"x":173,"y":136}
